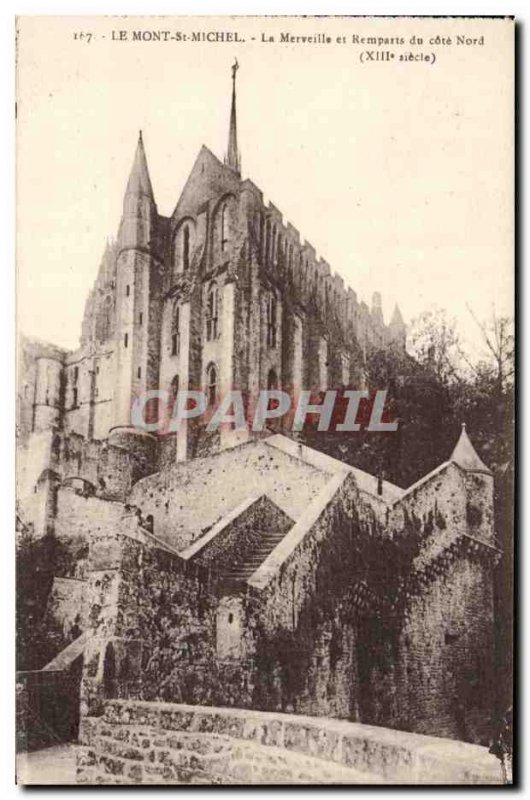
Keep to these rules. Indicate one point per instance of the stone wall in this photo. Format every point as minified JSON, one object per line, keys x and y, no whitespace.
{"x":429,"y":668}
{"x":344,"y":618}
{"x":67,"y":606}
{"x":300,"y":609}
{"x":162,"y":743}
{"x":82,"y":517}
{"x":152,"y":621}
{"x":176,"y":497}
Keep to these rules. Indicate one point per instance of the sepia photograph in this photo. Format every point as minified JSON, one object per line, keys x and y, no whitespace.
{"x":265,"y":400}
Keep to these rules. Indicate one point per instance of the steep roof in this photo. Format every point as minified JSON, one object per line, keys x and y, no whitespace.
{"x":208,"y":178}
{"x":397,"y":318}
{"x":139,"y":182}
{"x":466,"y":456}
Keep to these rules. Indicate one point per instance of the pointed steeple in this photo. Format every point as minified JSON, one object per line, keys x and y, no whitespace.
{"x":397,"y":330}
{"x":139,"y":207}
{"x":232,"y":159}
{"x":397,"y":319}
{"x":466,"y":456}
{"x":139,"y":181}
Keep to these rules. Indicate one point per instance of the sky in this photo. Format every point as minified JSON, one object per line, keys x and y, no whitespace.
{"x":399,"y":174}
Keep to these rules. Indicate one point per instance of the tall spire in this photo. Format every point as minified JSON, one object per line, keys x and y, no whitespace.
{"x":139,"y":181}
{"x":232,"y":156}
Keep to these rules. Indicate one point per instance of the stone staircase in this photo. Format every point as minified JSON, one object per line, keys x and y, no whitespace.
{"x":235,"y":575}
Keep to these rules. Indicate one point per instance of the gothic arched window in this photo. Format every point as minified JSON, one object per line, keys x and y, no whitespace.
{"x":212,"y":312}
{"x":183,"y":244}
{"x":175,"y":330}
{"x":224,"y":225}
{"x":211,"y":383}
{"x":186,"y":248}
{"x":271,"y":321}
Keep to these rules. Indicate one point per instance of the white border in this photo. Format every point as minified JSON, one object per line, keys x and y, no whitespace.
{"x":8,"y":10}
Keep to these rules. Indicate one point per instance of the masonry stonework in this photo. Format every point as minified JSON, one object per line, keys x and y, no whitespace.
{"x":245,"y":571}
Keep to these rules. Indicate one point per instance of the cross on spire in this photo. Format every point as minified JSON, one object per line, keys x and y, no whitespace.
{"x":233,"y":159}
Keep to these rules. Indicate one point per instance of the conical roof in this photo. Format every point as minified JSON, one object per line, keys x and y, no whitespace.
{"x":466,"y":456}
{"x":139,"y":181}
{"x":397,"y":319}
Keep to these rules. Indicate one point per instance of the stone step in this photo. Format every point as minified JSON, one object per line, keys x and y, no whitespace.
{"x":240,"y":571}
{"x":236,"y":575}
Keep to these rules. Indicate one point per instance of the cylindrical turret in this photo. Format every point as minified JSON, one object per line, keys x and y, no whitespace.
{"x":133,"y":287}
{"x":48,"y":393}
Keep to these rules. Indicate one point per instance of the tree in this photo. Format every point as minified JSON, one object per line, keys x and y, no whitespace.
{"x":435,"y":344}
{"x":499,"y":344}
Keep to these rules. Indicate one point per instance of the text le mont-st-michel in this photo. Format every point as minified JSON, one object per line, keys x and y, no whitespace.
{"x":220,"y":36}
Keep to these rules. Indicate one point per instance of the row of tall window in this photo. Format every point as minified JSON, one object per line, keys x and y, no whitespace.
{"x":212,"y":380}
{"x":211,"y":385}
{"x":211,"y":316}
{"x":184,"y":237}
{"x":212,"y":319}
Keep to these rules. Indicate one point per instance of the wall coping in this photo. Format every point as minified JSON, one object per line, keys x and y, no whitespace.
{"x":399,"y":756}
{"x":321,"y":461}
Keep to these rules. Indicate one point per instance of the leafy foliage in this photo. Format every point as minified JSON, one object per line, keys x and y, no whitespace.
{"x":38,"y":562}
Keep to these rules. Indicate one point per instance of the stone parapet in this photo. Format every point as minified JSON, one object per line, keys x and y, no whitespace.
{"x":138,"y":742}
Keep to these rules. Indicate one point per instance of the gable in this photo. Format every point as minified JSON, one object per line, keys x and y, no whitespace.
{"x":209,"y":178}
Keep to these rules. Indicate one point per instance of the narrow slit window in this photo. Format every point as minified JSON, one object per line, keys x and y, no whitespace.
{"x":271,"y":321}
{"x":212,"y":313}
{"x":211,"y":377}
{"x":186,"y":248}
{"x":224,"y":226}
{"x":175,"y":331}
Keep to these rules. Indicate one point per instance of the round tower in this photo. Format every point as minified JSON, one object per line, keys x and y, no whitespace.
{"x":133,"y":289}
{"x":136,"y":292}
{"x":48,"y":393}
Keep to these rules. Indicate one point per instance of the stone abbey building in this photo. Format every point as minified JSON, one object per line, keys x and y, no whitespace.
{"x":223,"y":294}
{"x":248,"y":571}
